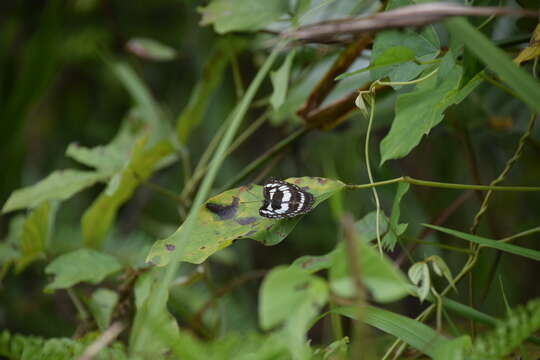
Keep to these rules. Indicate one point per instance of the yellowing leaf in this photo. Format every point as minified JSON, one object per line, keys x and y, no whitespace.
{"x":533,"y":50}
{"x":234,"y":214}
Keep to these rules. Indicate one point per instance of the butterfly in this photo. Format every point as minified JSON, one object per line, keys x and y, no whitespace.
{"x":283,"y":200}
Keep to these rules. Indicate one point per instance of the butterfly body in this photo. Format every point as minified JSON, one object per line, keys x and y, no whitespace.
{"x":284,"y":200}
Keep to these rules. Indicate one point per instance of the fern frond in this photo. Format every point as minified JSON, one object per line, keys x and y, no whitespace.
{"x":509,"y":333}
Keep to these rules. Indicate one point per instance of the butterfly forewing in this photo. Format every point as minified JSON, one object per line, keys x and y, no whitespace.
{"x":284,"y":200}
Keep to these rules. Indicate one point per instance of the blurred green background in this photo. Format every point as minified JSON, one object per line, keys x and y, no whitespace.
{"x":57,"y":86}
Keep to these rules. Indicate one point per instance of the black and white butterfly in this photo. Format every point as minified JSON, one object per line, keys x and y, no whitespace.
{"x":283,"y":200}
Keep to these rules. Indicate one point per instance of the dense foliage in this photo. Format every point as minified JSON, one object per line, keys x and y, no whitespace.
{"x":135,"y":137}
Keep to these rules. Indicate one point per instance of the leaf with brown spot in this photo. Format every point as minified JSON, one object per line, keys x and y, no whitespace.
{"x":231,"y":215}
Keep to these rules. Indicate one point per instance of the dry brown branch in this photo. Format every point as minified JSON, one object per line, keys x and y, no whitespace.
{"x":104,"y":340}
{"x":408,"y":16}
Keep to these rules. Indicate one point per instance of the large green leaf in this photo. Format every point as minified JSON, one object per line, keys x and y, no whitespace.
{"x":419,"y":111}
{"x":99,"y":217}
{"x":111,"y":158}
{"x":242,"y":15}
{"x":157,"y":329}
{"x":234,"y":214}
{"x":35,"y":235}
{"x":284,"y":290}
{"x":509,"y":248}
{"x":385,"y":282}
{"x":425,"y":46}
{"x":412,"y":332}
{"x":291,"y":297}
{"x":59,"y":185}
{"x":83,"y":265}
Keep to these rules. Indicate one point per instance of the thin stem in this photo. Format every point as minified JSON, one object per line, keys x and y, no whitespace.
{"x":500,"y":178}
{"x":498,"y":84}
{"x":394,"y":83}
{"x":161,"y":190}
{"x":237,"y":76}
{"x":370,"y":175}
{"x":483,"y":208}
{"x":83,"y":314}
{"x":521,"y":234}
{"x":442,"y":185}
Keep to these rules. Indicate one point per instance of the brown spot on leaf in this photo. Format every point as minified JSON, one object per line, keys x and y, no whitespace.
{"x":322,"y":181}
{"x":202,"y":248}
{"x":170,"y":247}
{"x":298,"y":181}
{"x":225,"y":212}
{"x":246,"y":220}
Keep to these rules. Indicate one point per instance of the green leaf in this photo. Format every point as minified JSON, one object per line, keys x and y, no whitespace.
{"x":291,"y":297}
{"x":396,"y":229}
{"x":151,"y":49}
{"x":470,"y":313}
{"x":336,"y":349}
{"x":497,"y":60}
{"x":412,"y":332}
{"x":313,"y":264}
{"x":419,"y":275}
{"x":453,"y":349}
{"x":101,"y":305}
{"x":509,"y":248}
{"x":241,"y":15}
{"x":448,"y":63}
{"x":102,"y":158}
{"x":35,"y":235}
{"x":83,"y":265}
{"x":201,"y":95}
{"x":60,"y":185}
{"x":234,"y":214}
{"x":385,"y":282}
{"x":419,"y":111}
{"x":441,"y":269}
{"x":280,"y":81}
{"x":361,"y":105}
{"x":99,"y":217}
{"x":285,"y":290}
{"x":28,"y":347}
{"x":157,"y":329}
{"x":425,"y":45}
{"x":367,"y":226}
{"x":390,"y":56}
